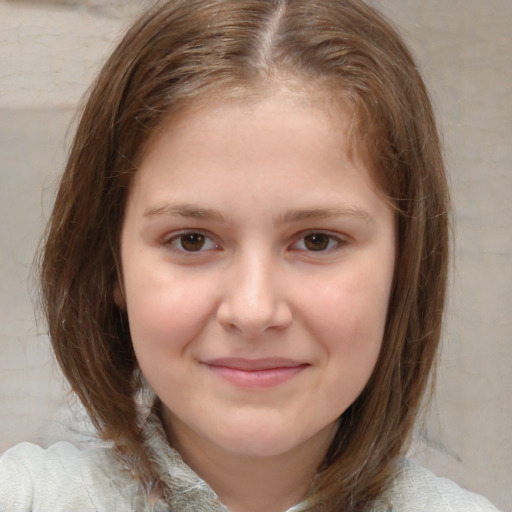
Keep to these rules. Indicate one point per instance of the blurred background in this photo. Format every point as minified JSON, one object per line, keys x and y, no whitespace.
{"x":49,"y":52}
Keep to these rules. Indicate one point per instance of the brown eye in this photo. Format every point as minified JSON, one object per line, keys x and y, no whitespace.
{"x":317,"y":241}
{"x":192,"y":241}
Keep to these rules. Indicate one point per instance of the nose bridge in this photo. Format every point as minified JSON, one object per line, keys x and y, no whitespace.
{"x":254,"y":298}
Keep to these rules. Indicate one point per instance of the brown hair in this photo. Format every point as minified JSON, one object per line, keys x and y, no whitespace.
{"x":186,"y":49}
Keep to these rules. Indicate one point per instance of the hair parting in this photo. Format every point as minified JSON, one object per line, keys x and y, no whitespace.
{"x":183,"y":52}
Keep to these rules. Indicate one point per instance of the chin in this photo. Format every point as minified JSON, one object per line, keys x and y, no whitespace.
{"x":259,"y":439}
{"x":258,"y":446}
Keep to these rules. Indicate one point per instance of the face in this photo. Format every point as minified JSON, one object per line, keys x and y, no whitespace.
{"x":257,"y":261}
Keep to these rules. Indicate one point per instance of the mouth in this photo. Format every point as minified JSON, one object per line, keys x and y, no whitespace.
{"x":255,"y":373}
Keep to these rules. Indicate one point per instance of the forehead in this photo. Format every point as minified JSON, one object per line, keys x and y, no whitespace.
{"x":277,"y":149}
{"x":317,"y":97}
{"x":276,"y":83}
{"x":253,"y":124}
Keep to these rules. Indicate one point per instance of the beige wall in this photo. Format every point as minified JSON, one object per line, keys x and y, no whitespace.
{"x":465,"y":48}
{"x":48,"y":53}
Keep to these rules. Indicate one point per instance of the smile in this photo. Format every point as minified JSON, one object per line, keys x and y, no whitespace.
{"x":255,"y":373}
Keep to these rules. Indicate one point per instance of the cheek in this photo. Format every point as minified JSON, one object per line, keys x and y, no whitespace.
{"x":348,"y":320}
{"x":166,"y":316}
{"x":347,"y":314}
{"x":166,"y":313}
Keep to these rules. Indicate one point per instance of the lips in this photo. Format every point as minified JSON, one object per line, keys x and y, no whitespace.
{"x":255,"y":373}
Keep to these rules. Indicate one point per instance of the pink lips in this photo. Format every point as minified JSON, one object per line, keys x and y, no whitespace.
{"x":255,"y":373}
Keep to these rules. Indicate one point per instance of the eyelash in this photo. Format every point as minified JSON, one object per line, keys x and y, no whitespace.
{"x":178,"y":238}
{"x":338,"y":241}
{"x":333,"y":242}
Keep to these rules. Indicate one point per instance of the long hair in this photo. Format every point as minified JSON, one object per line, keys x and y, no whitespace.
{"x":183,"y":51}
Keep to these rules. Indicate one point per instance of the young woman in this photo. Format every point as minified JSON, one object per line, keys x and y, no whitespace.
{"x":244,"y":273}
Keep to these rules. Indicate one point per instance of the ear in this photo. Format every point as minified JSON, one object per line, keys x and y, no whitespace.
{"x":119,"y":296}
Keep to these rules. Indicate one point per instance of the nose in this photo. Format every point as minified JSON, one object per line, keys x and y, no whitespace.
{"x":254,"y":299}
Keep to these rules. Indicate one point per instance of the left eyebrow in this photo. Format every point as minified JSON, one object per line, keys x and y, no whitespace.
{"x":325,"y":213}
{"x":184,"y":210}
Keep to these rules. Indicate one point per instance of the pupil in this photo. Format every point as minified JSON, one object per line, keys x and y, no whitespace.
{"x":192,"y":241}
{"x":316,"y":242}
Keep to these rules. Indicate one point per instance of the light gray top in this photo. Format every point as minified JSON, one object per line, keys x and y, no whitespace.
{"x":64,"y":478}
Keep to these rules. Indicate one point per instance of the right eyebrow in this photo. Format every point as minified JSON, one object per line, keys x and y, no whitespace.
{"x":184,"y":210}
{"x":323,"y":213}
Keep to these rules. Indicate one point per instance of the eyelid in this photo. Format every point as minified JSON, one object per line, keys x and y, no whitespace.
{"x":175,"y":235}
{"x":341,"y":240}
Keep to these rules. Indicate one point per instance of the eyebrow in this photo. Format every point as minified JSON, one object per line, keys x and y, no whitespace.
{"x":325,"y":213}
{"x":191,"y":211}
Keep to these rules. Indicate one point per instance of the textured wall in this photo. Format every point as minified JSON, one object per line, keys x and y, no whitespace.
{"x":49,"y":51}
{"x":465,"y":48}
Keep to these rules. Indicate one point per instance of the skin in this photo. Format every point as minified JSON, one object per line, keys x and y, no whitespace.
{"x":257,"y":258}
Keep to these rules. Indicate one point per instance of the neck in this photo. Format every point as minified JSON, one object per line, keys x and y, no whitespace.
{"x":254,"y":485}
{"x":251,"y":483}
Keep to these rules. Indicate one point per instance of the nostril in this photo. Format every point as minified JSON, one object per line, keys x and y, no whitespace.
{"x":227,"y":325}
{"x":253,"y":320}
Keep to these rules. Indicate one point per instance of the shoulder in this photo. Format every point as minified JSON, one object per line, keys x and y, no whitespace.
{"x":63,"y":478}
{"x":416,"y":489}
